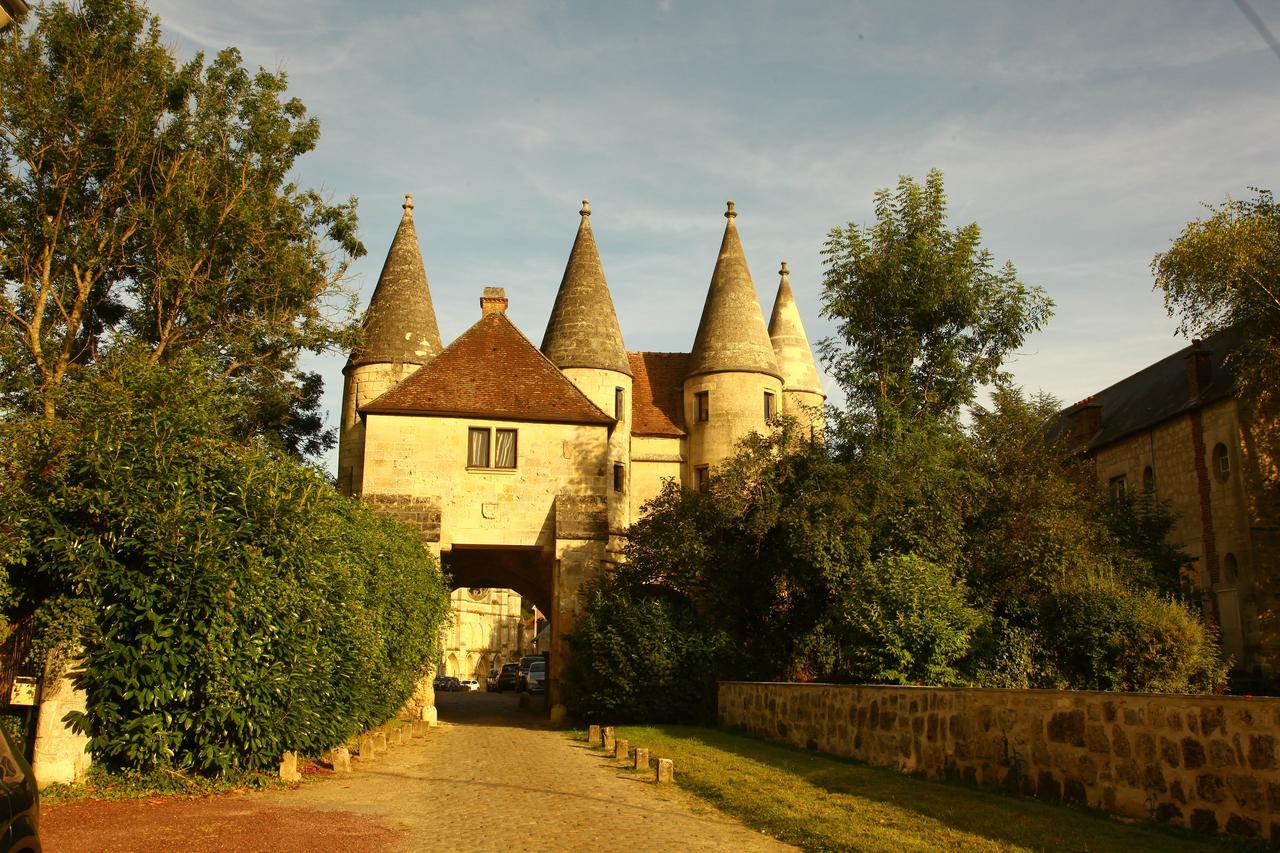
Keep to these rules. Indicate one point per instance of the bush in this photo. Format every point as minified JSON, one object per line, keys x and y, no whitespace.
{"x":904,"y":620}
{"x":1101,"y":635}
{"x":643,"y":655}
{"x":230,"y":605}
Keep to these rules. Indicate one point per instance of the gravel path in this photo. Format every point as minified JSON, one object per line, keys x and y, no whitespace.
{"x":491,"y":777}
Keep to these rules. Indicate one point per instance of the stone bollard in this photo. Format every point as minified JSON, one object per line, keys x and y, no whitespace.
{"x":642,"y":758}
{"x":430,"y":717}
{"x":621,"y":750}
{"x":666,"y":771}
{"x":366,"y":747}
{"x":397,"y":736}
{"x":379,"y":742}
{"x":606,"y":738}
{"x":593,"y":735}
{"x":340,"y":759}
{"x":289,"y":767}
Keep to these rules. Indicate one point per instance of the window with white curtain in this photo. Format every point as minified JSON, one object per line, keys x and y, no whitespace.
{"x":478,"y":448}
{"x":506,"y":447}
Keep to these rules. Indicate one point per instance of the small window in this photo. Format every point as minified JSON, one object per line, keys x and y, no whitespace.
{"x":702,"y":478}
{"x":1230,"y":568}
{"x":702,"y":406}
{"x":478,"y":448}
{"x":619,"y":477}
{"x":768,"y":407}
{"x":1118,"y":487}
{"x":1221,"y":462}
{"x":619,"y":397}
{"x":506,"y":455}
{"x":1148,"y":480}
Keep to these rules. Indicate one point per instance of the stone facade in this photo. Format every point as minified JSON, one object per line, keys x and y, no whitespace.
{"x":1208,"y":763}
{"x":484,"y":634}
{"x":590,"y":431}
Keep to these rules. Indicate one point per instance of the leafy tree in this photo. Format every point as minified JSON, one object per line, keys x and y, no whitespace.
{"x":143,"y":201}
{"x":923,"y":316}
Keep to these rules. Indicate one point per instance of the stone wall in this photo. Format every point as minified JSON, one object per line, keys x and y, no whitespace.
{"x":1208,"y":763}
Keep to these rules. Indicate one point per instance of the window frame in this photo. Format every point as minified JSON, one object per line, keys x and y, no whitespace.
{"x":702,"y":407}
{"x":491,"y":448}
{"x":702,"y":478}
{"x":1221,"y":462}
{"x":770,"y":407}
{"x":487,"y":432}
{"x":619,"y":477}
{"x":1119,"y":488}
{"x":619,"y":402}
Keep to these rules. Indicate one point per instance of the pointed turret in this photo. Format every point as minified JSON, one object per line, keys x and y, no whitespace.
{"x":400,"y":323}
{"x":790,"y":343}
{"x":731,"y":334}
{"x":583,"y":331}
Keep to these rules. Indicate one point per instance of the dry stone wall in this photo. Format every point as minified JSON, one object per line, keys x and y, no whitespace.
{"x":1208,"y":763}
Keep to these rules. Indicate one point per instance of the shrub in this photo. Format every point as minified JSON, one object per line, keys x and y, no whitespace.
{"x":230,"y":604}
{"x":1101,"y":635}
{"x":643,"y":655}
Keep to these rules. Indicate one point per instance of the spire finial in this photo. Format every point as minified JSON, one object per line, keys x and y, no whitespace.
{"x":784,"y":271}
{"x":586,"y":208}
{"x":730,"y":213}
{"x":408,"y":204}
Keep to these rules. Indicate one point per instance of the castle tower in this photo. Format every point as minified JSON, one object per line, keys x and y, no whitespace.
{"x":584,"y":340}
{"x":733,"y":386}
{"x":802,"y":394}
{"x":400,"y":335}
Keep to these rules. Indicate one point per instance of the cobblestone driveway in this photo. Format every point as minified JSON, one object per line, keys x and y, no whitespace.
{"x":490,"y":778}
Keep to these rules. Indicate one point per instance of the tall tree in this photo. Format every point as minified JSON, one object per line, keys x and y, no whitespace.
{"x":923,"y":315}
{"x":148,"y":202}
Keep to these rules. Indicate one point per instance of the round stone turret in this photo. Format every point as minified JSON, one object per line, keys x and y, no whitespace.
{"x":802,"y":392}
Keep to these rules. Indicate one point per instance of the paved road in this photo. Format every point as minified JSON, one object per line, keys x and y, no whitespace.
{"x":492,"y":777}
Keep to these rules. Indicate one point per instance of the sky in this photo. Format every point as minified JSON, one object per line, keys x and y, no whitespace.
{"x":1081,"y":137}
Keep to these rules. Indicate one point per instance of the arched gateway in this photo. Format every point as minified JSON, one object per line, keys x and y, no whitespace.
{"x":522,"y":466}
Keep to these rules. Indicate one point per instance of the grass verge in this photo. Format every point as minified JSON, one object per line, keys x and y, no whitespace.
{"x":820,"y":802}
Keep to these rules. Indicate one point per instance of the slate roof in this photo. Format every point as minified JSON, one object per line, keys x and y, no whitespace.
{"x":1159,"y":392}
{"x":583,"y":328}
{"x":731,"y":334}
{"x":491,"y":371}
{"x":400,"y":323}
{"x":657,"y":392}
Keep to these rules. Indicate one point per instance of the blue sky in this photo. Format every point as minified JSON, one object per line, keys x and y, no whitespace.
{"x":1080,"y":136}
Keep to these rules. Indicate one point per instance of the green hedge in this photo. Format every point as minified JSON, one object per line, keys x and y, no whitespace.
{"x":230,"y":604}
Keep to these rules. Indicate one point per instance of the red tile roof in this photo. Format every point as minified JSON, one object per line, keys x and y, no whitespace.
{"x":491,"y":371}
{"x":657,"y":392}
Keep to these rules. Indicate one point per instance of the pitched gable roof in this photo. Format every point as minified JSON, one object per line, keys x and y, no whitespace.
{"x":491,"y":371}
{"x":657,"y":392}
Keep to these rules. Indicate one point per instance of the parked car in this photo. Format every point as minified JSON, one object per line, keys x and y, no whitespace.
{"x":491,"y":681}
{"x":21,"y":805}
{"x":509,"y":677}
{"x":451,"y":684}
{"x":527,"y":661}
{"x":440,"y":682}
{"x":469,"y":685}
{"x":536,"y":678}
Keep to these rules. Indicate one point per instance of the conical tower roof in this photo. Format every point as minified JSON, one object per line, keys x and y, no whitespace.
{"x":731,"y":334}
{"x":790,"y":343}
{"x":400,"y":323}
{"x":583,"y":330}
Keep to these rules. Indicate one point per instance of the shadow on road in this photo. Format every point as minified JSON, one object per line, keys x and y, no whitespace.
{"x":492,"y":709}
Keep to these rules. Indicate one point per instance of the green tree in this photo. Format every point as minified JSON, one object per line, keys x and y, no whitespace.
{"x":145,"y":201}
{"x":923,"y":315}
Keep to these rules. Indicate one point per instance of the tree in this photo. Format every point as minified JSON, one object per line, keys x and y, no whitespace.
{"x":923,"y":316}
{"x":143,"y":201}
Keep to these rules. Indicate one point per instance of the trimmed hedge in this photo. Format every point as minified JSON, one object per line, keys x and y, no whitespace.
{"x":230,"y":604}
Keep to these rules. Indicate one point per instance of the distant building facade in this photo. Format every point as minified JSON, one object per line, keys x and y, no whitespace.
{"x":523,"y":466}
{"x":486,"y":631}
{"x":1177,"y":431}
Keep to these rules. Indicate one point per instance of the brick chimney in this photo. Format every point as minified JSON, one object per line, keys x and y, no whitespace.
{"x":1199,"y":370}
{"x":1084,"y":420}
{"x":493,"y":301}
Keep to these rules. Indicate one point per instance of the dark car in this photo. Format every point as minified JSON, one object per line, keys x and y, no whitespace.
{"x":491,"y":681}
{"x":21,"y":807}
{"x":509,"y":677}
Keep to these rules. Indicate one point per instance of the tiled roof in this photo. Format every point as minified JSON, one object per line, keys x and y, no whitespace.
{"x":657,"y":392}
{"x":1159,"y":392}
{"x":491,"y":371}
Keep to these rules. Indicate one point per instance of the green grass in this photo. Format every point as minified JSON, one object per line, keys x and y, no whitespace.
{"x":824,"y":803}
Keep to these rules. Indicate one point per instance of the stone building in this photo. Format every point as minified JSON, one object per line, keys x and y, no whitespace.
{"x":1177,"y":431}
{"x":524,"y":465}
{"x":486,"y":632}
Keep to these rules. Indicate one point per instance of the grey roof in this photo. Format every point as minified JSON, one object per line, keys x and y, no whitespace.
{"x":400,"y":323}
{"x":583,"y":330}
{"x":790,"y":343}
{"x":731,"y":334}
{"x":1159,"y":392}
